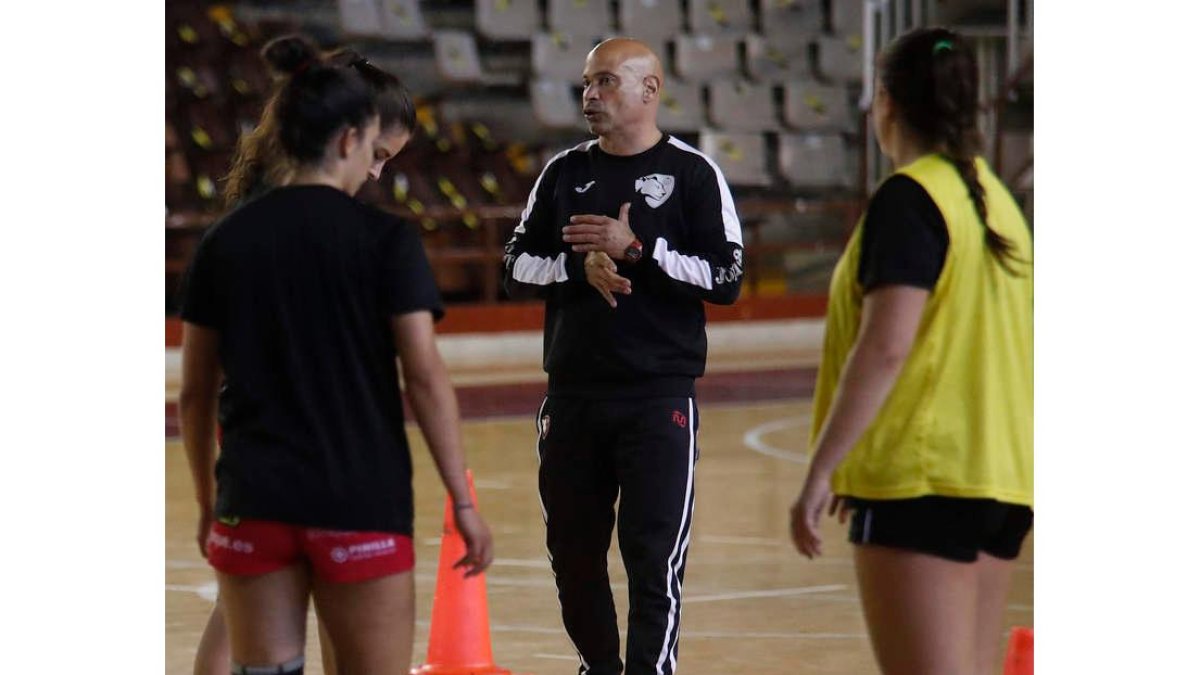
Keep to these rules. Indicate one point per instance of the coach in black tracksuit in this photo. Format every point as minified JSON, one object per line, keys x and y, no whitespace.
{"x":643,"y":215}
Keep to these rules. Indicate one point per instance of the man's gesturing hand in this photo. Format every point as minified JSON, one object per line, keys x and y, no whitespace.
{"x":600,"y":233}
{"x":602,"y":275}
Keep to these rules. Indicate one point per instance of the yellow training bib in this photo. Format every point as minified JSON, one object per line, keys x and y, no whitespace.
{"x":959,"y":420}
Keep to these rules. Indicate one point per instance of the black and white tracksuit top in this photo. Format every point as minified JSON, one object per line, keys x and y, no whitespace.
{"x":653,"y":343}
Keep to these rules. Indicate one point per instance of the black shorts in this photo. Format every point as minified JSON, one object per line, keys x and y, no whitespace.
{"x":954,"y":528}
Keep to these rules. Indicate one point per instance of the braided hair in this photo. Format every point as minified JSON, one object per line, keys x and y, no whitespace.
{"x":930,"y":74}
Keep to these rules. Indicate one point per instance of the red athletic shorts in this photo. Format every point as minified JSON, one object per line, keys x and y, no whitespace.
{"x":251,"y":547}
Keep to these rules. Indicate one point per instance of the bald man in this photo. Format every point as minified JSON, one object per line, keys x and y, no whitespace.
{"x":625,"y":237}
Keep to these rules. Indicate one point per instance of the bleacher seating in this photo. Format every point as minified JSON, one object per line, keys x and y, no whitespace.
{"x":814,"y":160}
{"x":741,"y":156}
{"x":579,"y":17}
{"x":810,"y":105}
{"x":360,"y":17}
{"x":402,"y":20}
{"x":719,"y":17}
{"x":651,"y":19}
{"x":840,"y":58}
{"x":790,"y":19}
{"x":507,"y":19}
{"x":555,"y":104}
{"x":246,"y":76}
{"x":846,"y":18}
{"x":457,"y":56}
{"x":681,"y":107}
{"x":758,"y":85}
{"x":738,"y":105}
{"x":508,"y":114}
{"x":776,"y":59}
{"x":560,"y":56}
{"x":704,"y":57}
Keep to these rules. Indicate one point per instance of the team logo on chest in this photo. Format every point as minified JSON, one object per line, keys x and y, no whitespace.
{"x":656,"y":187}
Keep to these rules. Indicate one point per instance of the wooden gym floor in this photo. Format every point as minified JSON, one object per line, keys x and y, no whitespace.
{"x":751,"y":603}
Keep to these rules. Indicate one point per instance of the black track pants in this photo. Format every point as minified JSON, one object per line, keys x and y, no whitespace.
{"x":645,"y":451}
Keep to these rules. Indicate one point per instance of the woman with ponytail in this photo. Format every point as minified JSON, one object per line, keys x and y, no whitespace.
{"x":259,"y":164}
{"x":922,"y":417}
{"x":295,"y":308}
{"x":260,"y":161}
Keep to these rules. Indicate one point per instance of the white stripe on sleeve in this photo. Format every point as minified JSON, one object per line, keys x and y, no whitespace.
{"x":729,"y":217}
{"x":686,"y":268}
{"x":542,"y":271}
{"x":531,"y":269}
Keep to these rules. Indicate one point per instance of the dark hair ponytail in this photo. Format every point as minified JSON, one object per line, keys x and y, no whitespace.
{"x":316,"y":100}
{"x":396,"y":108}
{"x":313,"y":99}
{"x":290,"y":55}
{"x":932,"y":77}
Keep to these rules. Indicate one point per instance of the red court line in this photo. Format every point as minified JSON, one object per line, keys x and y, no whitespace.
{"x":519,"y":316}
{"x":507,"y":400}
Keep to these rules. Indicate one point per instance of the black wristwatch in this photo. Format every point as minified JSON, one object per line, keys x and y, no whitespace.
{"x":633,"y":252}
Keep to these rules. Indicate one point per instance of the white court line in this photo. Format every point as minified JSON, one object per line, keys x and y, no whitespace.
{"x":485,"y":484}
{"x":784,"y":557}
{"x":556,"y":657}
{"x":207,"y":590}
{"x":854,"y":600}
{"x":753,"y":439}
{"x":539,"y":582}
{"x":776,"y":593}
{"x":779,"y":636}
{"x":733,"y":635}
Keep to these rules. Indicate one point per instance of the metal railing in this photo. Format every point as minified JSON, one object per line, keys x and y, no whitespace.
{"x":884,"y":20}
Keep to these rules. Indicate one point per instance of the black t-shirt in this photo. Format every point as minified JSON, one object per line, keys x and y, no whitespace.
{"x":904,"y":239}
{"x":654,"y":342}
{"x":301,"y":283}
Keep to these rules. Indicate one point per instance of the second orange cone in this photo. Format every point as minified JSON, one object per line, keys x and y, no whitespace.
{"x":1019,"y":660}
{"x":460,"y":640}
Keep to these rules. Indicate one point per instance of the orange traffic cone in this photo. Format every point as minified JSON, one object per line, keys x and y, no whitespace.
{"x":459,"y":639}
{"x":1019,"y":660}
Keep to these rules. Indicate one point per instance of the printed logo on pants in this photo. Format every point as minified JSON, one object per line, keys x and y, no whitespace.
{"x":363,"y":551}
{"x":218,"y":540}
